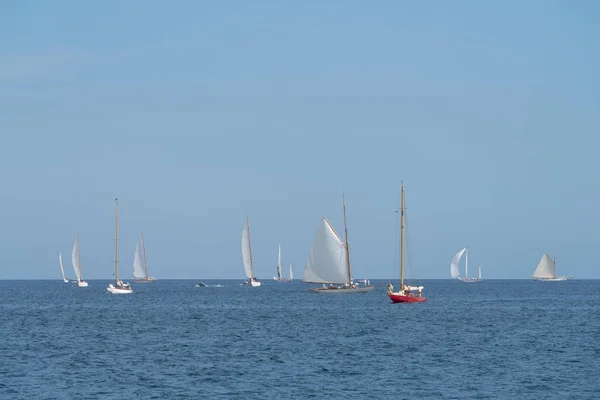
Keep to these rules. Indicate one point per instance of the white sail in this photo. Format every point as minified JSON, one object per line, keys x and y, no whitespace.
{"x":454,"y":263}
{"x":247,"y":251}
{"x":479,"y":275}
{"x":62,"y":268}
{"x":291,"y":273}
{"x":75,"y":259}
{"x":546,"y":268}
{"x":138,"y":261}
{"x":327,"y":261}
{"x":279,"y":263}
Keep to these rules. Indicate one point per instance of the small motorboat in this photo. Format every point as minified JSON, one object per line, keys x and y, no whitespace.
{"x":201,"y":284}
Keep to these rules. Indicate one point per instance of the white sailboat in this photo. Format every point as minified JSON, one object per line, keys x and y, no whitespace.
{"x":62,"y":269}
{"x":455,"y":273}
{"x":279,"y":277}
{"x":119,"y":287}
{"x":140,"y":266}
{"x":247,"y":256}
{"x":291,"y":273}
{"x":329,"y":262}
{"x":76,"y":259}
{"x":546,"y":270}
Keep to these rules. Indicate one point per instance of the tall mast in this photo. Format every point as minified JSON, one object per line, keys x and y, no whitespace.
{"x":402,"y":239}
{"x":250,"y":247}
{"x":144,"y":247}
{"x":347,"y":246}
{"x":117,"y":243}
{"x":79,"y":257}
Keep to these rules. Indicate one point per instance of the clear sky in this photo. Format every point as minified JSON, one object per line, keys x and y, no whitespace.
{"x":198,"y":113}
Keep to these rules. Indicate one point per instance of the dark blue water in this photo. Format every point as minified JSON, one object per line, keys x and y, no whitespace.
{"x":172,"y":340}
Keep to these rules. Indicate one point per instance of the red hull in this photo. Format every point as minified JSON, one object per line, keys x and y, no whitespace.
{"x":399,"y":298}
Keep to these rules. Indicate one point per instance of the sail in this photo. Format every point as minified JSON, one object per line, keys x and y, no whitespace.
{"x":247,"y":251}
{"x":138,"y":261}
{"x":454,"y":263}
{"x":291,"y":273}
{"x":62,"y":268}
{"x":546,"y":268}
{"x":479,"y":275}
{"x":75,"y":259}
{"x":327,"y":261}
{"x":279,"y":263}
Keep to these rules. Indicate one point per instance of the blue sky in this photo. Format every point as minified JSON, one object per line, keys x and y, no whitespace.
{"x":196,"y":114}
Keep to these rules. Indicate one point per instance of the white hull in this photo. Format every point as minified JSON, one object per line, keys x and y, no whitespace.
{"x":365,"y":289}
{"x":82,"y":284}
{"x":115,"y":290}
{"x":557,"y":279}
{"x":255,"y":284}
{"x":66,"y":280}
{"x":281,"y":280}
{"x":469,"y":280}
{"x":144,"y":280}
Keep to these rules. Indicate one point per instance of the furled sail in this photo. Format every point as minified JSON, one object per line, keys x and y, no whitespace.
{"x":246,"y":251}
{"x":327,"y":261}
{"x":454,"y":263}
{"x":546,"y":268}
{"x":75,"y":259}
{"x":139,"y":261}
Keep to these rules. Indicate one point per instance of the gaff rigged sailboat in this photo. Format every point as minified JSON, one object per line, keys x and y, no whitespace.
{"x":119,"y":287}
{"x":140,"y":266}
{"x":62,"y":268}
{"x":76,"y":259}
{"x":279,"y":277}
{"x":546,"y":270}
{"x":455,"y":273}
{"x":329,"y":262}
{"x":405,"y":294}
{"x":247,"y":256}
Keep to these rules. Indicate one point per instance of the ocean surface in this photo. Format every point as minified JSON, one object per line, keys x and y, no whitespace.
{"x":498,"y":339}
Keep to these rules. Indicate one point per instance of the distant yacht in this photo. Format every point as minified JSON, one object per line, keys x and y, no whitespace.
{"x":76,"y":259}
{"x":279,"y":277}
{"x":546,"y":270}
{"x":247,"y":256}
{"x":329,"y":261}
{"x":455,"y":273}
{"x":62,"y":269}
{"x":140,"y":266}
{"x":119,"y":287}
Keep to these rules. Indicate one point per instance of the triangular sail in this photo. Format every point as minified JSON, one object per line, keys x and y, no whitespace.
{"x":327,"y":261}
{"x":291,"y":273}
{"x":279,"y":276}
{"x":62,"y":268}
{"x":75,"y":259}
{"x":454,"y":263}
{"x":546,"y":268}
{"x":479,"y":275}
{"x":247,"y":251}
{"x":138,"y":261}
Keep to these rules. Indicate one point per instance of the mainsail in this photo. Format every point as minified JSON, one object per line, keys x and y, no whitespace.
{"x":327,"y":262}
{"x":291,"y":274}
{"x":454,"y":263}
{"x":75,"y":259}
{"x":546,"y":268}
{"x":139,"y":261}
{"x":247,"y":251}
{"x":62,"y":269}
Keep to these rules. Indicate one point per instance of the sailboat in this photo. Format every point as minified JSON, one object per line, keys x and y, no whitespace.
{"x":291,"y":273}
{"x":279,"y":277}
{"x":76,"y":259}
{"x":546,"y":270}
{"x":454,"y":272}
{"x":247,"y":256}
{"x":140,"y":267}
{"x":405,"y":293}
{"x":329,"y":261}
{"x":119,"y":287}
{"x":62,"y":269}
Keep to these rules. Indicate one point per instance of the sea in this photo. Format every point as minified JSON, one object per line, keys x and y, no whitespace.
{"x":497,"y":339}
